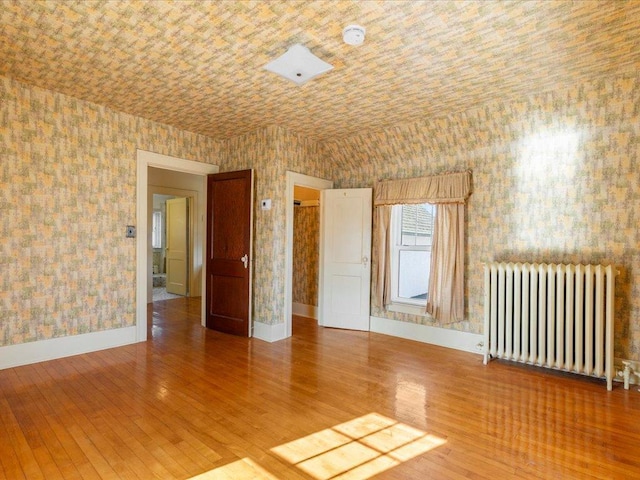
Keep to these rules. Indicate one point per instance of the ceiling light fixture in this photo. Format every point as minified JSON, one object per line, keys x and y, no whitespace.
{"x":353,"y":35}
{"x":298,"y":64}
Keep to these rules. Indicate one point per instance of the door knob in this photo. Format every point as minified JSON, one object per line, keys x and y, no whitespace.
{"x":245,"y":260}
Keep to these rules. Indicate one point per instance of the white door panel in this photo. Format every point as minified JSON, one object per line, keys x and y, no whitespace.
{"x":347,"y":241}
{"x":177,"y":245}
{"x":345,"y":295}
{"x":345,"y":277}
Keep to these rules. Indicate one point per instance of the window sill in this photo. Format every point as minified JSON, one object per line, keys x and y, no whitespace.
{"x":407,"y":308}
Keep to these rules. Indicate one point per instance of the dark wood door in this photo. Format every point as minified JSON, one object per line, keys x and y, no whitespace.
{"x":228,"y":262}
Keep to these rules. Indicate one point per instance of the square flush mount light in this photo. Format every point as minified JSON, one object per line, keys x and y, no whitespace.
{"x":298,"y":64}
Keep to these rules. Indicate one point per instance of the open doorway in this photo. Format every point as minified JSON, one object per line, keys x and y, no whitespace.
{"x":172,"y":168}
{"x":176,"y":200}
{"x":172,"y":247}
{"x":306,"y":252}
{"x":312,"y":184}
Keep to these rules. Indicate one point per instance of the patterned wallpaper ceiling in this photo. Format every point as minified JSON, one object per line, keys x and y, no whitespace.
{"x":198,"y":64}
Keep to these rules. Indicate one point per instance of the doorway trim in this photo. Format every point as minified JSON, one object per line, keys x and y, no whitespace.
{"x":146,"y":159}
{"x":294,"y":179}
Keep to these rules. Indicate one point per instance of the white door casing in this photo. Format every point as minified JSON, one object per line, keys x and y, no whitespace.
{"x":177,"y":246}
{"x":345,"y":258}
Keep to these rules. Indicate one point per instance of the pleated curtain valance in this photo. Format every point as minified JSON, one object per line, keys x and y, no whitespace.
{"x":445,"y":188}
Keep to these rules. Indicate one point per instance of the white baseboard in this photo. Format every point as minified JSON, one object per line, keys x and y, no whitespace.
{"x":467,"y":342}
{"x":269,"y":333}
{"x":43,"y":350}
{"x":310,"y":311}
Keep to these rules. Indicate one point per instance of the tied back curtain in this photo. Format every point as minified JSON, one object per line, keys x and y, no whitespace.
{"x":449,"y":193}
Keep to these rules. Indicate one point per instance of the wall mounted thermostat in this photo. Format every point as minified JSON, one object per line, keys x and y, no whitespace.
{"x":131,"y":231}
{"x":265,"y":204}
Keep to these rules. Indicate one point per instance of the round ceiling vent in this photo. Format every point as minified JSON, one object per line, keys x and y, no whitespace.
{"x":353,"y":35}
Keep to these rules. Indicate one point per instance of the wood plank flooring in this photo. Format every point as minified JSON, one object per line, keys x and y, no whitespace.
{"x":193,"y":403}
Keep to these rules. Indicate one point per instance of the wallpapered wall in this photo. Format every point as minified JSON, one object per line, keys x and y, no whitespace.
{"x":556,"y":178}
{"x":306,"y":251}
{"x":271,"y":152}
{"x":67,"y":191}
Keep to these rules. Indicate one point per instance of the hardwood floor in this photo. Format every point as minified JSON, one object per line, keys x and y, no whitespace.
{"x":323,"y":404}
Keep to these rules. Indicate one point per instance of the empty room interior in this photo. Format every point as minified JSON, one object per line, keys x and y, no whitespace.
{"x":320,"y":239}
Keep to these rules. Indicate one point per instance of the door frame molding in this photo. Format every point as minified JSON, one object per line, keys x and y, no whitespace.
{"x":144,"y":160}
{"x":294,"y":179}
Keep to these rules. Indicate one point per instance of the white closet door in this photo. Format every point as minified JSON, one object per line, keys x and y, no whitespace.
{"x":345,"y":258}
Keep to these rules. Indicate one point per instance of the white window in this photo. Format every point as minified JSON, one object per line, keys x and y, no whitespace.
{"x":411,"y":240}
{"x":156,"y":235}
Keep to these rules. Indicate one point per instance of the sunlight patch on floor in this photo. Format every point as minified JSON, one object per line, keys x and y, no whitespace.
{"x":244,"y":469}
{"x":358,"y":449}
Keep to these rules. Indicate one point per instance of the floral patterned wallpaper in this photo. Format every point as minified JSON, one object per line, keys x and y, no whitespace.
{"x":67,"y":191}
{"x":556,"y":178}
{"x":306,"y":251}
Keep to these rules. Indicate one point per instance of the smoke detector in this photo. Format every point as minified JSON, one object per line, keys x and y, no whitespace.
{"x":298,"y":64}
{"x":353,"y":35}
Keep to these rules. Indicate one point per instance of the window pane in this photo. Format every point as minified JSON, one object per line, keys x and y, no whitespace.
{"x":413,"y":274}
{"x":417,"y":224}
{"x":156,"y":236}
{"x":408,"y":225}
{"x":412,"y":238}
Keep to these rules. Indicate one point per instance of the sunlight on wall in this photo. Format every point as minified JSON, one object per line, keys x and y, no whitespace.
{"x":546,"y":197}
{"x":360,"y":448}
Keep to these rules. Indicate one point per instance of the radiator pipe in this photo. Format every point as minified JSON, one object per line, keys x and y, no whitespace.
{"x":626,"y":373}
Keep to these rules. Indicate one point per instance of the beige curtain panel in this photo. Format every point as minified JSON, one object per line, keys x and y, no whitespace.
{"x":446,"y":285}
{"x":382,"y":220}
{"x":449,"y":193}
{"x":445,"y":188}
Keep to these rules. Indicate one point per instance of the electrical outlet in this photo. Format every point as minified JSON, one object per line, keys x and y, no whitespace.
{"x":131,"y":231}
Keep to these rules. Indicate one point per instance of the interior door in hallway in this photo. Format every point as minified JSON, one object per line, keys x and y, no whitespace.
{"x":345,"y":258}
{"x":177,"y":246}
{"x":229,"y":257}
